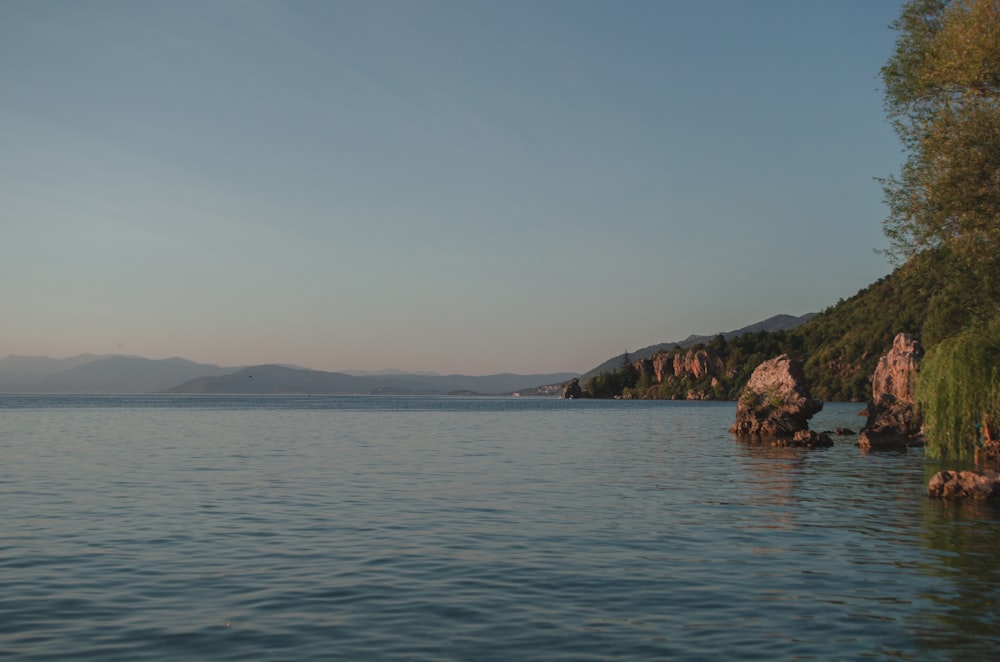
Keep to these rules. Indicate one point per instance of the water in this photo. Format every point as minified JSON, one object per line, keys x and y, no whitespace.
{"x":212,"y":527}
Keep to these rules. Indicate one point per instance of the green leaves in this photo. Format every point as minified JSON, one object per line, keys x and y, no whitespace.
{"x":959,"y":389}
{"x":942,"y":93}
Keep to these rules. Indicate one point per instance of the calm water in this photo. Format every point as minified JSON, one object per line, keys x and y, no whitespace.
{"x":449,"y":528}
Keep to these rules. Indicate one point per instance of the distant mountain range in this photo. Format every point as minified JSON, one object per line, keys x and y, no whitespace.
{"x":89,"y":373}
{"x":776,"y":323}
{"x":280,"y":379}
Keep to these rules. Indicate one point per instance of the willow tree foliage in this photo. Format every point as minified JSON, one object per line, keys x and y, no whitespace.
{"x":942,"y":94}
{"x":959,"y":391}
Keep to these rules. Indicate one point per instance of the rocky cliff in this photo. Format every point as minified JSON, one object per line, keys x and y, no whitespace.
{"x":771,"y":324}
{"x":683,"y":369}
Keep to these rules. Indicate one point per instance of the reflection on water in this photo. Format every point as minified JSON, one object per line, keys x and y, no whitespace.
{"x":774,"y":474}
{"x":965,"y":539}
{"x":448,"y":528}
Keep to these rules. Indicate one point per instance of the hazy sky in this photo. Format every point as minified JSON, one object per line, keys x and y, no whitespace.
{"x":474,"y":187}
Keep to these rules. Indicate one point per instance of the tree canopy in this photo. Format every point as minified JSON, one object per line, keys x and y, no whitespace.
{"x":942,"y":94}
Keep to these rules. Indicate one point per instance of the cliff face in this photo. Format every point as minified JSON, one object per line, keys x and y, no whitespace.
{"x":691,"y":375}
{"x":695,"y":363}
{"x":663,"y":367}
{"x":699,"y":363}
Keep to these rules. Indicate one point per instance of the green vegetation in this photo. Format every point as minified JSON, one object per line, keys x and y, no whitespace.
{"x":942,"y":95}
{"x":612,"y":384}
{"x":959,"y":391}
{"x":839,"y":347}
{"x":942,"y":88}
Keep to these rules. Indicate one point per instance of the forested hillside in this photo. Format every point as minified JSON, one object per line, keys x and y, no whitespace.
{"x":839,"y":347}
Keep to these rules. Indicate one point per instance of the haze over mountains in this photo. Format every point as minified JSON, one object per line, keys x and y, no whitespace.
{"x":132,"y":374}
{"x":91,"y":374}
{"x":266,"y":379}
{"x":88,"y":373}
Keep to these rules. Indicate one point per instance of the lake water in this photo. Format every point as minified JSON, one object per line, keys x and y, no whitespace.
{"x":287,"y":528}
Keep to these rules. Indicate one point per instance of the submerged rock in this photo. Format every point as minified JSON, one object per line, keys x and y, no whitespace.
{"x":776,"y":404}
{"x":893,"y":418}
{"x":805,"y":439}
{"x":980,"y":485}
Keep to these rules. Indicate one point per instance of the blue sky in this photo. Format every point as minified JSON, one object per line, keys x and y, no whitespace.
{"x":462,"y":187}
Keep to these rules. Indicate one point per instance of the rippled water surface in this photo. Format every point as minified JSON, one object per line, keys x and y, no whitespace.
{"x":471,"y":528}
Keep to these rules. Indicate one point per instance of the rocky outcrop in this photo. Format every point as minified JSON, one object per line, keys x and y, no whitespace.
{"x":776,"y":405}
{"x":980,"y":485}
{"x":571,"y":389}
{"x":663,"y":366}
{"x":893,"y":417}
{"x":896,"y":372}
{"x":698,"y":363}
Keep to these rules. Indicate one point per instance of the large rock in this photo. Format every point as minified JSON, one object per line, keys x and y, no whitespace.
{"x":893,"y":417}
{"x":571,"y":389}
{"x":896,"y":372}
{"x":979,"y":485}
{"x":776,"y":404}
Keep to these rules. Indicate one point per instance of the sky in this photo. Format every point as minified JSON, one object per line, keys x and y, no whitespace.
{"x":465,"y":186}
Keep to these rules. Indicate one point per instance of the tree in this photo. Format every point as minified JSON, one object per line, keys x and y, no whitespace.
{"x":627,"y":375}
{"x":718,"y":344}
{"x":959,"y":391}
{"x":942,"y":94}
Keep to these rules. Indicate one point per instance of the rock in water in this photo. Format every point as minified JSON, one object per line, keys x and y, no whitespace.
{"x":572,"y":390}
{"x":893,"y":417}
{"x":776,"y":405}
{"x":896,"y":372}
{"x":805,"y":439}
{"x":979,"y":485}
